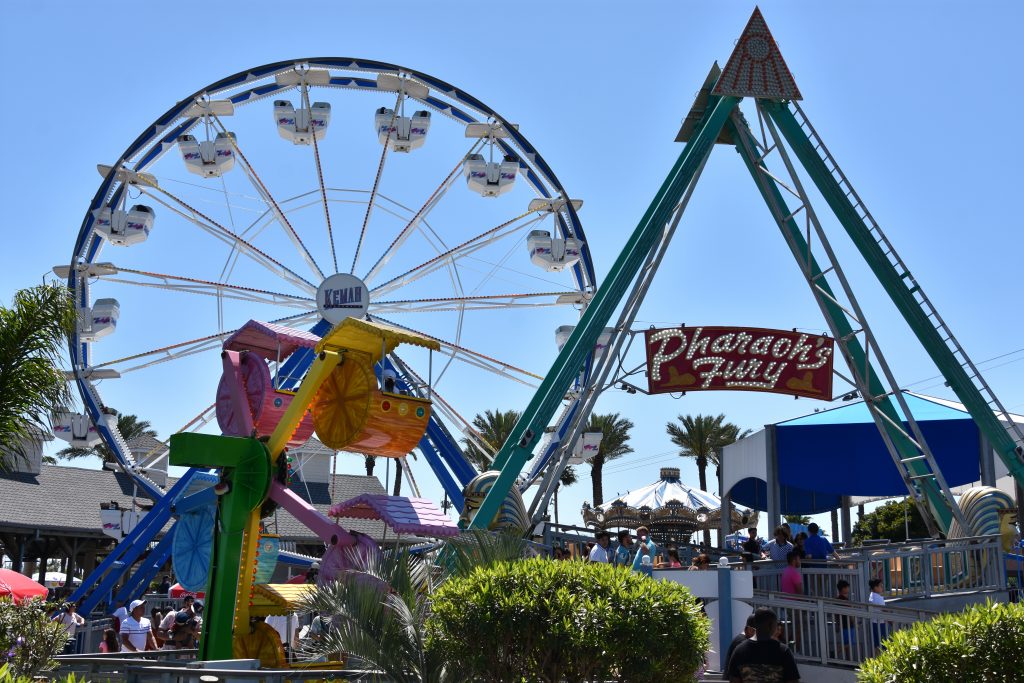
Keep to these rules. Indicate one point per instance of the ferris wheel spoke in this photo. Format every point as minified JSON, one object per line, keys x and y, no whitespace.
{"x":320,"y":178}
{"x":495,"y":234}
{"x":231,"y":238}
{"x":179,"y":283}
{"x":414,"y":222}
{"x":480,"y":302}
{"x":376,"y":185}
{"x":474,"y":358}
{"x":264,"y":193}
{"x":191,"y":347}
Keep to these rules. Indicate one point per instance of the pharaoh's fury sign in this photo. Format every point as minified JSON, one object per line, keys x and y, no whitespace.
{"x":739,"y":358}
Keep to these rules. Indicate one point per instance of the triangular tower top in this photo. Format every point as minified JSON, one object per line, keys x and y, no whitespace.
{"x":756,"y":67}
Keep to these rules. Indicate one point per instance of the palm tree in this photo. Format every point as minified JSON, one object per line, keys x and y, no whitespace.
{"x":130,"y":426}
{"x":33,"y":334}
{"x":797,"y":519}
{"x":494,"y":427}
{"x":370,"y":462}
{"x":614,"y":444}
{"x":702,"y":437}
{"x":378,"y":612}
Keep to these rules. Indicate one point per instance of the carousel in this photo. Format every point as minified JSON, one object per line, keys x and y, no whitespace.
{"x":672,"y":511}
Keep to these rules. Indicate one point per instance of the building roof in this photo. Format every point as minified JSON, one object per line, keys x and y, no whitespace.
{"x":66,"y":501}
{"x":63,"y":500}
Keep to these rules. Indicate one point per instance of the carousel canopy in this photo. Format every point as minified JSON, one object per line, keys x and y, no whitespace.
{"x":668,"y":506}
{"x":667,"y":488}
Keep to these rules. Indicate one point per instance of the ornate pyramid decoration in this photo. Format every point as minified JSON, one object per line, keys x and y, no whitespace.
{"x":756,"y":67}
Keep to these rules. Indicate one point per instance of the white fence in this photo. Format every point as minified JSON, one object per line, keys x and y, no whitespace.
{"x":906,"y":571}
{"x":835,"y":632}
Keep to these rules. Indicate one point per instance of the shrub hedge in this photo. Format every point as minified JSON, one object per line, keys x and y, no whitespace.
{"x":538,"y":620}
{"x":982,"y":644}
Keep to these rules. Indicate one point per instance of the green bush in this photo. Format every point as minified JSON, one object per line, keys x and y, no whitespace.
{"x":537,"y":620}
{"x":982,"y":644}
{"x":29,"y":640}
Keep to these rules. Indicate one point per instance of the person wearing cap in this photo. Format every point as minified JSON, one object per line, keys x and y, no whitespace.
{"x":599,"y":553}
{"x":163,"y":630}
{"x":137,"y":630}
{"x":647,"y":550}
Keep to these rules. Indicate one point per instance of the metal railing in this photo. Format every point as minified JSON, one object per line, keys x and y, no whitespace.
{"x":911,"y":570}
{"x":835,"y":632}
{"x":178,"y":666}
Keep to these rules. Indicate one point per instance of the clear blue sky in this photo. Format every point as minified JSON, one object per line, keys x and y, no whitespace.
{"x":914,"y":99}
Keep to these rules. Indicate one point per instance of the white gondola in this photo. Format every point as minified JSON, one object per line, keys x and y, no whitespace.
{"x":210,"y":158}
{"x":99,"y":321}
{"x":491,"y":178}
{"x":605,"y":338}
{"x":406,"y":132}
{"x":301,"y":126}
{"x":124,"y":228}
{"x":75,"y":428}
{"x":553,"y":253}
{"x":586,"y":447}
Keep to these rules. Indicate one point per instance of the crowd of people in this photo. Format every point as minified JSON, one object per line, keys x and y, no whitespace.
{"x":636,"y":550}
{"x":133,"y":631}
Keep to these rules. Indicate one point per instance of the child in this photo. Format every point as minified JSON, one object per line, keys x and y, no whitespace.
{"x":110,"y":643}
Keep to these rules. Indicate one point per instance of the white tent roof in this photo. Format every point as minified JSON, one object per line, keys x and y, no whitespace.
{"x":668,"y":488}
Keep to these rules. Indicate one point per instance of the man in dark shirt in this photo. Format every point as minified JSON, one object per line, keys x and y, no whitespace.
{"x":752,"y":545}
{"x":762,"y":659}
{"x":746,"y":633}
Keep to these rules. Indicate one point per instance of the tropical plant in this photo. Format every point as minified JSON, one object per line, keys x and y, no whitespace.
{"x":702,"y":437}
{"x":537,"y":620}
{"x":369,"y":462}
{"x":130,"y":426}
{"x":891,"y":521}
{"x":982,"y":644}
{"x":493,"y":428}
{"x":614,"y":444}
{"x":797,"y":519}
{"x":29,"y":640}
{"x":33,"y":335}
{"x":378,"y":612}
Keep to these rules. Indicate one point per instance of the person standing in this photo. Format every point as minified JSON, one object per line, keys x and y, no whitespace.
{"x":71,"y":620}
{"x":119,"y":615}
{"x":746,"y":634}
{"x":643,"y":561}
{"x":792,"y":580}
{"x":624,"y":553}
{"x":752,"y":546}
{"x":165,"y":586}
{"x":879,"y":631}
{"x":762,"y":658}
{"x":137,"y":630}
{"x":816,"y":547}
{"x":110,"y":642}
{"x":599,"y":553}
{"x":779,"y":548}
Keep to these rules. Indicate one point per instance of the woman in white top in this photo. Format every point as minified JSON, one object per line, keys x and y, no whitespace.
{"x":71,"y":620}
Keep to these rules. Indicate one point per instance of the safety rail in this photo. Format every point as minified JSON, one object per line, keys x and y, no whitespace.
{"x":836,"y":632}
{"x":912,"y":570}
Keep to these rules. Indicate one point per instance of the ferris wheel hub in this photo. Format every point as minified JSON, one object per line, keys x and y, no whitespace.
{"x":341,"y":296}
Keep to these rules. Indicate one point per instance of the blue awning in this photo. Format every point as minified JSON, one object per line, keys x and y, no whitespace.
{"x":839,"y":452}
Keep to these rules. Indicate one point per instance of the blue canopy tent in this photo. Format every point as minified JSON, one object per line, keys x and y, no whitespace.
{"x":820,"y":458}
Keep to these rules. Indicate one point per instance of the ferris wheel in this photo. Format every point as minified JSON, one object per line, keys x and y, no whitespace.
{"x":302,"y":192}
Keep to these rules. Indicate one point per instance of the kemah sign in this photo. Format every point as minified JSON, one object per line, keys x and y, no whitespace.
{"x":739,"y":358}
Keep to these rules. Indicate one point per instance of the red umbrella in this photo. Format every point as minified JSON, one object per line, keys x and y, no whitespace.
{"x":19,"y":587}
{"x":177,"y":591}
